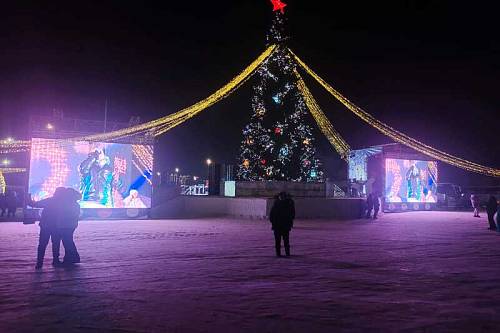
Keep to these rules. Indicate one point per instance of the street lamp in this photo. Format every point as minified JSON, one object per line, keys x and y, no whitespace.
{"x":177,"y":170}
{"x":50,"y":126}
{"x":9,"y":139}
{"x":5,"y":162}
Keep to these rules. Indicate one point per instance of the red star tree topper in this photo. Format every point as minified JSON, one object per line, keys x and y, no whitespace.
{"x":278,"y":5}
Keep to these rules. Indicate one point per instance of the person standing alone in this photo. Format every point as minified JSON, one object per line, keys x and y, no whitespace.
{"x":491,"y":209}
{"x":474,"y":200}
{"x":281,"y":217}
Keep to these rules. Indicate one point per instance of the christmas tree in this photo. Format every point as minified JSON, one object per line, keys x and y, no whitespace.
{"x":278,"y":144}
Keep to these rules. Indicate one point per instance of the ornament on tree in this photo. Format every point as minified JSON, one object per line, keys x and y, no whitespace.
{"x":284,"y":151}
{"x":249,"y":141}
{"x":263,"y":161}
{"x":277,"y":99}
{"x":277,"y":130}
{"x":246,"y":163}
{"x":306,"y":141}
{"x":306,"y":163}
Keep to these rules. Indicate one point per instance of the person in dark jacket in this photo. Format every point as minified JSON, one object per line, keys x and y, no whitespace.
{"x":11,"y":201}
{"x":48,"y":226}
{"x":67,"y":222}
{"x":369,"y":205}
{"x":491,"y":209}
{"x":376,"y":205}
{"x":281,"y":217}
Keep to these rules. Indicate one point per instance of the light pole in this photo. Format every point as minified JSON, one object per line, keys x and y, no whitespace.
{"x":209,"y":161}
{"x":176,"y":175}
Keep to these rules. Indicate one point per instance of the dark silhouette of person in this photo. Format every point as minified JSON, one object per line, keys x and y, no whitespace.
{"x":67,"y":222}
{"x":3,"y":204}
{"x":281,"y":217}
{"x":376,"y":205}
{"x":491,"y":209}
{"x":11,"y":201}
{"x":498,"y":218}
{"x":369,"y":205}
{"x":48,"y":226}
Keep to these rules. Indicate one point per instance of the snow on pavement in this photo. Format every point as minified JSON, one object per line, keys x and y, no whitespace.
{"x":418,"y":271}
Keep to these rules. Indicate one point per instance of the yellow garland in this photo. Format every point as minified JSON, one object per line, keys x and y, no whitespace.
{"x":3,"y":184}
{"x":172,"y":120}
{"x":399,"y":136}
{"x":14,"y":146}
{"x":12,"y":170}
{"x":326,"y":127}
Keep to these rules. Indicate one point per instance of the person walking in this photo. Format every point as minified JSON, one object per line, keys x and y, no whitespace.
{"x":48,"y":226}
{"x":376,"y":205}
{"x":369,"y":205}
{"x":67,"y":222}
{"x":491,"y":209}
{"x":281,"y":218}
{"x":474,"y":200}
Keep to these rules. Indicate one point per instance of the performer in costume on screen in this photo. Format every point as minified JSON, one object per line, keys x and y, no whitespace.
{"x":97,"y":178}
{"x":414,"y":182}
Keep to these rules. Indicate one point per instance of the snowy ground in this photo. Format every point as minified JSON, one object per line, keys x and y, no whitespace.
{"x":419,"y":271}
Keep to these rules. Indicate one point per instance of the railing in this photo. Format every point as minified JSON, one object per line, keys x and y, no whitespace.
{"x":199,"y":189}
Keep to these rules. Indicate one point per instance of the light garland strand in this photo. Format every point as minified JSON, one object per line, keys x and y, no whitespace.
{"x":8,"y":146}
{"x":326,"y":127}
{"x":172,"y":120}
{"x":12,"y":170}
{"x":399,"y":136}
{"x":3,"y":184}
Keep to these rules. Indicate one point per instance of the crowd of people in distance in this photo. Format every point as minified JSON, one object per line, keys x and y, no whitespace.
{"x":9,"y":202}
{"x":58,"y":222}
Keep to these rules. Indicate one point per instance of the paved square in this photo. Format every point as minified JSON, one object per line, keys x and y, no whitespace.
{"x":418,"y":271}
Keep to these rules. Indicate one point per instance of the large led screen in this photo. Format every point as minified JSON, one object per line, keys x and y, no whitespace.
{"x":410,"y":181}
{"x":108,"y":175}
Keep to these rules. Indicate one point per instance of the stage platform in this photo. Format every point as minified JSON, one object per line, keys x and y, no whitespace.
{"x":255,"y":208}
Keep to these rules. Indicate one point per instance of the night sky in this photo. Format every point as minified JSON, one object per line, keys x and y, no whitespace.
{"x":427,"y":68}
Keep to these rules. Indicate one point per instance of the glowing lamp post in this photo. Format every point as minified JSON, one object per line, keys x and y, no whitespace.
{"x":5,"y":162}
{"x":50,"y":126}
{"x":209,"y":162}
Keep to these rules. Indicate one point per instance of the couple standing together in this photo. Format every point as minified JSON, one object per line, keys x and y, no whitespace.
{"x":58,"y":222}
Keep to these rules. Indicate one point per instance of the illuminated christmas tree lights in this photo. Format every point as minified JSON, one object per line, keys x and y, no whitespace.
{"x":277,"y":143}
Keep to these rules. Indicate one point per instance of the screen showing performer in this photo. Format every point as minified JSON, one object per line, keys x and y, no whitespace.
{"x":108,"y":175}
{"x":410,"y":181}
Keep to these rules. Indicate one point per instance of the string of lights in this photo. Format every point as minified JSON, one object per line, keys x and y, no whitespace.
{"x":397,"y":135}
{"x":172,"y":120}
{"x":3,"y":183}
{"x":10,"y":145}
{"x":12,"y":170}
{"x":326,"y":127}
